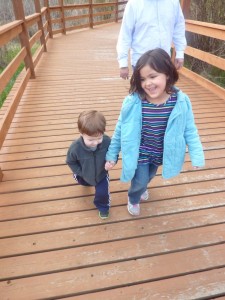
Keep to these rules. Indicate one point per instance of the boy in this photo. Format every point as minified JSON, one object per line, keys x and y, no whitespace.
{"x":86,"y":158}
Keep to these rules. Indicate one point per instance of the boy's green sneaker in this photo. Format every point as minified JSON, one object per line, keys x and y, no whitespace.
{"x":103,"y":214}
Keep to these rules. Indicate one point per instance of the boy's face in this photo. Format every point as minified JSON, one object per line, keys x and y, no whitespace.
{"x":92,"y":141}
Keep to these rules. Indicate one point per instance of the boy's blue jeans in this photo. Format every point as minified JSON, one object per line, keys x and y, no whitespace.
{"x":102,"y":195}
{"x":143,"y":175}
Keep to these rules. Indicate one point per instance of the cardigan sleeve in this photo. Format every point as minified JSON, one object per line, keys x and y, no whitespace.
{"x":192,"y":138}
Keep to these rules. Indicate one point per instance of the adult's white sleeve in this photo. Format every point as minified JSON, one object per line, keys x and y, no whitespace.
{"x":179,"y":38}
{"x":125,"y":36}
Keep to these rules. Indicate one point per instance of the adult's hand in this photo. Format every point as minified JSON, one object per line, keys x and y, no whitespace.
{"x":124,"y":73}
{"x":179,"y":63}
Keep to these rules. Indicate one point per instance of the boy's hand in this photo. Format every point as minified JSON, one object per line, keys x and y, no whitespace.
{"x":109,"y":165}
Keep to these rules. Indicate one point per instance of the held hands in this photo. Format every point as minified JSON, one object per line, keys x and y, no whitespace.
{"x":124,"y":73}
{"x":109,"y":165}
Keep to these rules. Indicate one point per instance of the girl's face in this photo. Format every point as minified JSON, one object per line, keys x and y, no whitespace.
{"x":92,"y":141}
{"x":154,"y":85}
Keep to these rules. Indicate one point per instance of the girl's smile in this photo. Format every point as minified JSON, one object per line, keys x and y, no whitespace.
{"x":154,"y":85}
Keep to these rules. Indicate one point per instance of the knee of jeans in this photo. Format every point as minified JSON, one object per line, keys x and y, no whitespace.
{"x":141,"y":182}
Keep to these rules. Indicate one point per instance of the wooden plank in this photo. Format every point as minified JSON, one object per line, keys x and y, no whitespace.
{"x":70,"y":136}
{"x":205,"y":83}
{"x":84,"y":214}
{"x":60,"y":160}
{"x":8,"y":73}
{"x":56,"y":181}
{"x":211,"y":59}
{"x":71,"y":237}
{"x":208,"y":29}
{"x":7,"y":119}
{"x":33,"y":185}
{"x":56,"y":128}
{"x":10,"y":31}
{"x":32,"y":125}
{"x":45,"y":156}
{"x":53,"y":245}
{"x":74,"y":132}
{"x":62,"y":169}
{"x":87,"y":256}
{"x":32,"y":19}
{"x":114,"y":275}
{"x":194,"y":286}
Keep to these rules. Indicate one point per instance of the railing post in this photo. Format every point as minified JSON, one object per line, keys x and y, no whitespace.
{"x":116,"y":12}
{"x":46,"y":4}
{"x":40,"y":24}
{"x":90,"y":14}
{"x":62,"y":16}
{"x":24,"y":37}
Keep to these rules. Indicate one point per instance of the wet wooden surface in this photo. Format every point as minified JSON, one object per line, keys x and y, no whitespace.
{"x":53,"y":244}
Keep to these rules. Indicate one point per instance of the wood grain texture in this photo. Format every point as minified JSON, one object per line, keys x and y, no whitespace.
{"x":53,"y":244}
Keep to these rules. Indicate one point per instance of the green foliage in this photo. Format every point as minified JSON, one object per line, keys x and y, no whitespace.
{"x":9,"y":86}
{"x":7,"y":54}
{"x":6,"y":57}
{"x":211,"y":11}
{"x":217,"y":76}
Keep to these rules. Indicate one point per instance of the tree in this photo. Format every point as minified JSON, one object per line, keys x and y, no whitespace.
{"x":211,"y":11}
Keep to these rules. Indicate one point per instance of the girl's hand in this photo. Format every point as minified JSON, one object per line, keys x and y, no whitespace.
{"x":109,"y":165}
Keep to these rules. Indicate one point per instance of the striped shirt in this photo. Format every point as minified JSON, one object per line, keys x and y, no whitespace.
{"x":154,"y":122}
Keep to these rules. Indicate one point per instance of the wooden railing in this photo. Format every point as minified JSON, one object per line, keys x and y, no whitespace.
{"x":60,"y":19}
{"x":85,"y":15}
{"x":210,"y":30}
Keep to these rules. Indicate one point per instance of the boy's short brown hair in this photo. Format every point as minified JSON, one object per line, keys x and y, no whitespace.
{"x":91,"y":123}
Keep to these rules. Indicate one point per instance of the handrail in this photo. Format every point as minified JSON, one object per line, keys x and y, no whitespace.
{"x":216,"y":31}
{"x":20,"y":28}
{"x":7,"y":27}
{"x":91,"y":15}
{"x":10,"y":31}
{"x":209,"y":30}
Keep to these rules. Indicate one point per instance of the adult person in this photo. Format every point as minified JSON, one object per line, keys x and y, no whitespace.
{"x":150,"y":24}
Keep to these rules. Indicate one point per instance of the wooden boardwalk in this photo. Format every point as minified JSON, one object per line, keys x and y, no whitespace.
{"x":53,"y":244}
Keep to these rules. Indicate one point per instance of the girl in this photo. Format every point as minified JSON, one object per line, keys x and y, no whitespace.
{"x":156,"y":123}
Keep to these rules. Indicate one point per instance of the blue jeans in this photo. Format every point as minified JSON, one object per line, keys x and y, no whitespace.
{"x":143,"y":175}
{"x":102,"y":195}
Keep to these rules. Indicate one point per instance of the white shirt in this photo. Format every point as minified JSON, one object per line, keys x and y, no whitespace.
{"x":149,"y":24}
